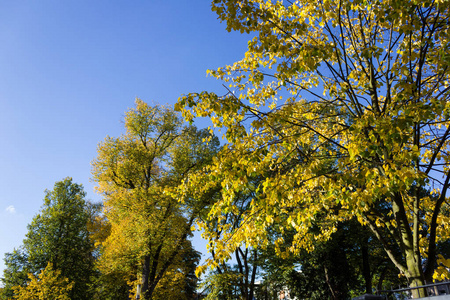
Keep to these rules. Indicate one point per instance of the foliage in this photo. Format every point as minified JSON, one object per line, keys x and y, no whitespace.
{"x":346,"y":105}
{"x":15,"y":272}
{"x":49,"y":284}
{"x":242,"y":275}
{"x":58,"y":235}
{"x":349,"y":264}
{"x":334,"y":270}
{"x":111,"y":286}
{"x":222,"y":286}
{"x":180,"y":282}
{"x":137,"y":174}
{"x":236,"y":282}
{"x":442,"y":271}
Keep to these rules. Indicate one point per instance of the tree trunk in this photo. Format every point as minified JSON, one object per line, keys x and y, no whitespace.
{"x":252,"y":282}
{"x":415,"y":274}
{"x":145,"y":276}
{"x":409,"y":242}
{"x":241,"y":271}
{"x":328,"y":281}
{"x":380,"y":280}
{"x":366,"y":266}
{"x":149,"y":293}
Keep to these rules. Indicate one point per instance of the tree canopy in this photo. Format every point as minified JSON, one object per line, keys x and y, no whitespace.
{"x":343,"y":108}
{"x":336,"y":126}
{"x":137,"y":173}
{"x":49,"y":284}
{"x":58,"y":235}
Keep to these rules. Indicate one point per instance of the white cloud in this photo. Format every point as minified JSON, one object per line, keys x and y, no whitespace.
{"x":11,"y":209}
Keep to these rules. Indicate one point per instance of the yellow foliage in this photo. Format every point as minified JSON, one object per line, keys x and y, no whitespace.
{"x":49,"y":284}
{"x":443,"y":270}
{"x":363,"y":130}
{"x":138,"y":173}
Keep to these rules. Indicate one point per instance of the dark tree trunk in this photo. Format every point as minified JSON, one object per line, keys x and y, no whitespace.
{"x":145,"y":275}
{"x":380,"y":281}
{"x":254,"y":269}
{"x":366,"y":267}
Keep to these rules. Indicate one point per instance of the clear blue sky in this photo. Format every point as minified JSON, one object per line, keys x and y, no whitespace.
{"x":68,"y":72}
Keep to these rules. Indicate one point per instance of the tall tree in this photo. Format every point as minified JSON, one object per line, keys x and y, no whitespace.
{"x":59,"y":235}
{"x":138,"y":174}
{"x":347,"y":102}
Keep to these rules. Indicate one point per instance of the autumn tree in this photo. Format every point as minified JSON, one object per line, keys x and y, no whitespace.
{"x":49,"y":284}
{"x":58,"y":235}
{"x":111,"y":285}
{"x":137,"y":173}
{"x":347,"y":104}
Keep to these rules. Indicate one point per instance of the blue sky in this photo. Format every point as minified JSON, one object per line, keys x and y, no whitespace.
{"x":68,"y":72}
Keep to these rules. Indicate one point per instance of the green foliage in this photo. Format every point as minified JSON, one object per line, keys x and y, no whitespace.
{"x":111,"y":286}
{"x":222,"y":286}
{"x":233,"y":282}
{"x":57,"y":235}
{"x":180,"y":282}
{"x":15,"y":272}
{"x":336,"y":269}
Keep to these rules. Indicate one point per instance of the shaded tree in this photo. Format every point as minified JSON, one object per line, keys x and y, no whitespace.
{"x":180,"y":281}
